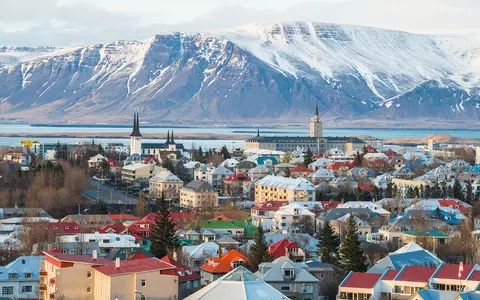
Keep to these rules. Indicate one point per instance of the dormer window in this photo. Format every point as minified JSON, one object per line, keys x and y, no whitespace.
{"x":28,"y":275}
{"x":12,"y":276}
{"x":288,"y":273}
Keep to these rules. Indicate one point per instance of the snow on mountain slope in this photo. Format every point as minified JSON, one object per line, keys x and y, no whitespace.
{"x":388,"y":61}
{"x":12,"y":55}
{"x":260,"y":72}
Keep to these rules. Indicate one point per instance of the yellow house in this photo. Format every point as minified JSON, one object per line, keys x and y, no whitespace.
{"x":277,"y":188}
{"x":198,"y":195}
{"x":165,"y":183}
{"x":146,"y":278}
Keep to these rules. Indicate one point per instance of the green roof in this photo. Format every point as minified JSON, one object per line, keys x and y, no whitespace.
{"x":223,"y":224}
{"x":427,"y":233}
{"x":285,"y":165}
{"x":187,"y":242}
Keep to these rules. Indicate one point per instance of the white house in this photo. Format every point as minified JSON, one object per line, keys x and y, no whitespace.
{"x":287,"y":216}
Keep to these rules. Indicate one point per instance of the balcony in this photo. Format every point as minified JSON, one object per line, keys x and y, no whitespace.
{"x":42,"y":287}
{"x":52,"y":296}
{"x":43,"y":273}
{"x":52,"y":280}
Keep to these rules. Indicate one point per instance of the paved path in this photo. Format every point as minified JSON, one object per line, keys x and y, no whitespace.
{"x":97,"y":190}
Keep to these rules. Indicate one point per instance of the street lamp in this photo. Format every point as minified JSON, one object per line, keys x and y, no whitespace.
{"x":142,"y":295}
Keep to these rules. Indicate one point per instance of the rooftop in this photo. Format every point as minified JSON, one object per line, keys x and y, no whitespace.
{"x":134,"y":266}
{"x":361,"y":280}
{"x":60,"y":256}
{"x":286,"y":183}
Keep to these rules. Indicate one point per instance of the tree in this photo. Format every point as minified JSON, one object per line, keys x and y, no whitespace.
{"x":304,"y":224}
{"x":389,"y":190}
{"x":358,"y":159}
{"x":410,"y":192}
{"x":308,"y":158}
{"x":182,"y":172}
{"x":457,"y":190}
{"x":163,"y":235}
{"x":104,"y":169}
{"x":58,"y":151}
{"x":141,"y":208}
{"x":259,"y":250}
{"x":351,"y":255}
{"x":102,"y":208}
{"x":436,"y":191}
{"x":328,"y":243}
{"x":469,"y":193}
{"x":224,"y":152}
{"x":100,"y":149}
{"x":167,"y":164}
{"x":286,"y":157}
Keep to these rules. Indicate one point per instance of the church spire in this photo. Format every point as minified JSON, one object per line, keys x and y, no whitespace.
{"x":316,"y":109}
{"x":136,"y":126}
{"x":258,"y":132}
{"x":172,"y":141}
{"x":168,"y":137}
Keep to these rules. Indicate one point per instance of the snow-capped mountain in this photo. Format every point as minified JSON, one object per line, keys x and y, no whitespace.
{"x":257,"y":71}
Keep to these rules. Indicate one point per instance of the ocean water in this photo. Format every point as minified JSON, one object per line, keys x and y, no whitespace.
{"x":378,"y":133}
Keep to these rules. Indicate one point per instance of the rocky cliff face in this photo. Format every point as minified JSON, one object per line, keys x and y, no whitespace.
{"x":258,"y":72}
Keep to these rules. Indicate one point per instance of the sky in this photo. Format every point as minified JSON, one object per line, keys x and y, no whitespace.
{"x":78,"y":22}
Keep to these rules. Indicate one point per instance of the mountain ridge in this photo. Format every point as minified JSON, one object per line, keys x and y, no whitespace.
{"x":279,"y":70}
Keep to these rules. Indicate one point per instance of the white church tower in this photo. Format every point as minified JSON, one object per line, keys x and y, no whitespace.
{"x":316,"y":126}
{"x":477,"y":156}
{"x":136,"y":137}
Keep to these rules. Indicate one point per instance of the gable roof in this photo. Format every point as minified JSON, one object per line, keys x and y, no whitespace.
{"x":361,"y":280}
{"x":60,"y":256}
{"x":273,"y":271}
{"x":280,"y":248}
{"x":199,"y":186}
{"x":184,"y":273}
{"x":134,"y":266}
{"x":450,"y":271}
{"x":224,"y":263}
{"x":415,"y":274}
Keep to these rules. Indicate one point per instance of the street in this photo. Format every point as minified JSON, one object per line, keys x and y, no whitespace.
{"x":97,"y":190}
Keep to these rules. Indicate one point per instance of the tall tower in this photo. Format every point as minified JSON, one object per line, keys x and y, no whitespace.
{"x":477,"y":156}
{"x":316,"y":126}
{"x":136,"y":137}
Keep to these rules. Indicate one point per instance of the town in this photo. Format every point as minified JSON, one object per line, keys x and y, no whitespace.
{"x":308,"y":218}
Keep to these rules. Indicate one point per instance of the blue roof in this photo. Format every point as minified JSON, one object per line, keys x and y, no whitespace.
{"x":396,"y":261}
{"x":261,"y":160}
{"x":21,"y":266}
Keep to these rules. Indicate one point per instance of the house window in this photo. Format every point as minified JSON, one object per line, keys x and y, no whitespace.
{"x":28,"y":275}
{"x":26,"y":289}
{"x":288,"y":273}
{"x":7,"y":290}
{"x":12,"y":276}
{"x":89,"y":289}
{"x":285,"y":288}
{"x":144,"y":283}
{"x":89,"y":274}
{"x":307,"y":288}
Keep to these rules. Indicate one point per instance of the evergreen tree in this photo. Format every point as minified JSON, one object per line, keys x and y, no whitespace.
{"x":358,"y":159}
{"x":428,"y":192}
{"x":328,"y":243}
{"x":308,"y":158}
{"x":259,"y":251}
{"x":436,"y":191}
{"x":58,"y":151}
{"x":469,"y":193}
{"x":224,"y":152}
{"x":102,"y":208}
{"x":389,"y":190}
{"x":182,"y":172}
{"x":167,"y":164}
{"x":162,"y":233}
{"x":457,"y":190}
{"x":351,"y":255}
{"x":100,"y":149}
{"x":65,"y":152}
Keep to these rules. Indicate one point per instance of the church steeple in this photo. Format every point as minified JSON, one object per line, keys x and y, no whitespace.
{"x":171,"y":140}
{"x":168,"y":137}
{"x":258,"y":132}
{"x":136,"y":126}
{"x":316,"y":109}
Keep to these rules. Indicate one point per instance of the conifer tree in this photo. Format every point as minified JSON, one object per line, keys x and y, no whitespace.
{"x":350,"y":254}
{"x":259,"y":251}
{"x":162,"y":233}
{"x":457,"y":190}
{"x":308,"y":158}
{"x":328,"y":244}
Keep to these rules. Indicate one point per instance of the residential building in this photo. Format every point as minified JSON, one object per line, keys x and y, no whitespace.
{"x":32,"y":146}
{"x":165,"y":183}
{"x":198,"y":195}
{"x":139,"y":171}
{"x":96,"y":161}
{"x":427,"y":238}
{"x":58,"y":270}
{"x":17,"y":157}
{"x":19,"y":279}
{"x":263,"y":213}
{"x":146,"y":278}
{"x":215,"y":268}
{"x":94,"y":221}
{"x":289,"y":249}
{"x":276,"y":188}
{"x":197,"y":255}
{"x":288,"y":218}
{"x":216,"y":176}
{"x":13,"y":212}
{"x":105,"y":244}
{"x":238,"y":186}
{"x":290,"y":278}
{"x":238,"y":284}
{"x":300,"y":171}
{"x":188,"y":281}
{"x":339,"y":226}
{"x":321,"y":163}
{"x":228,"y":227}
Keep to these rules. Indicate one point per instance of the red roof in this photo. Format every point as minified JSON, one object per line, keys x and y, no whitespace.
{"x":113,"y":163}
{"x":238,"y":177}
{"x":475,"y":276}
{"x":150,"y":216}
{"x":270,"y":205}
{"x":220,"y":217}
{"x":224,"y":263}
{"x":416,"y":274}
{"x":178,"y":218}
{"x":337,"y":166}
{"x":450,"y":271}
{"x":135,"y":266}
{"x":60,"y":256}
{"x":184,"y":272}
{"x":453,"y":204}
{"x":328,"y":205}
{"x":366,"y":186}
{"x":370,"y":149}
{"x":300,"y":169}
{"x":149,"y":159}
{"x":61,"y":227}
{"x":391,"y":153}
{"x":391,"y":274}
{"x":122,"y":217}
{"x":138,"y":255}
{"x":118,"y":229}
{"x":362,"y":280}
{"x":279,"y":249}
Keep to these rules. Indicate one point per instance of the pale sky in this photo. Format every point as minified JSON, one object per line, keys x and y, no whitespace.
{"x":73,"y":22}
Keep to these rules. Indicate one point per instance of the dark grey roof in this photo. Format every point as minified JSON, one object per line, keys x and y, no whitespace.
{"x":199,"y":186}
{"x":315,"y":264}
{"x":306,"y":139}
{"x":159,"y":146}
{"x":136,"y":126}
{"x":336,"y":213}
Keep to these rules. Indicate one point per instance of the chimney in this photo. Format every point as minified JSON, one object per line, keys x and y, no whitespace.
{"x":117,"y":263}
{"x":94,"y":255}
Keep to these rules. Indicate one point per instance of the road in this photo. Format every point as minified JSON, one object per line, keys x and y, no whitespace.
{"x":96,"y":190}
